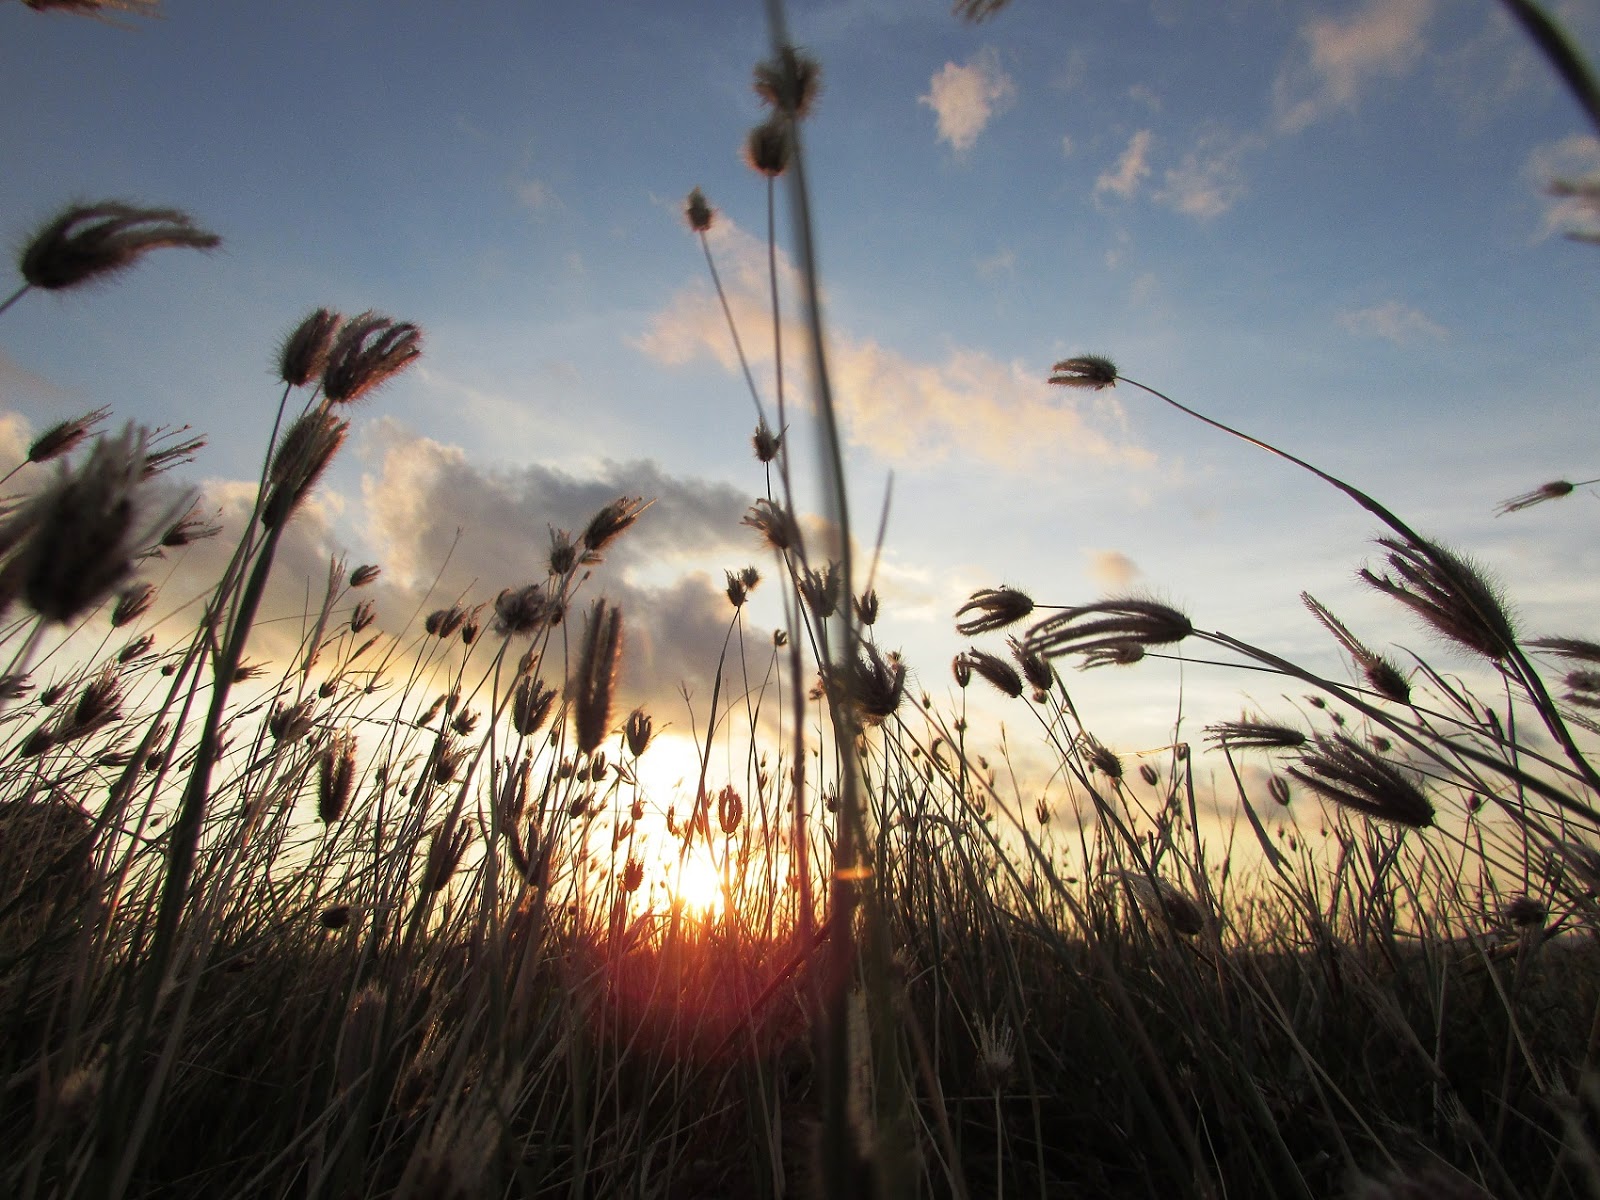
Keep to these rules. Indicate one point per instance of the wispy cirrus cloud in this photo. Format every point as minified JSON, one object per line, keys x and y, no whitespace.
{"x":1210,"y":178}
{"x":1339,"y":56}
{"x":905,"y":410}
{"x":1124,"y":177}
{"x":966,"y":98}
{"x":1393,"y":322}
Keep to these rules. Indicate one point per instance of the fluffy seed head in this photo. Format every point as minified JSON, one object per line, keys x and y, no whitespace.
{"x":530,"y":706}
{"x":364,"y":574}
{"x":774,"y":523}
{"x":132,"y":603}
{"x":1253,"y":734}
{"x":1383,"y":676}
{"x":609,"y":523}
{"x":730,"y":809}
{"x":305,"y":351}
{"x":637,"y":730}
{"x":878,"y":684}
{"x":77,"y":539}
{"x":1448,"y":592}
{"x":595,"y":677}
{"x":1036,"y":669}
{"x":697,"y":211}
{"x":1554,"y":490}
{"x":768,"y":146}
{"x":92,"y":241}
{"x":336,"y":777}
{"x":521,"y":610}
{"x":766,"y":443}
{"x":1110,"y":626}
{"x":1001,"y":674}
{"x":64,"y":436}
{"x":789,"y":82}
{"x":632,"y":875}
{"x":368,"y":351}
{"x":1358,"y":778}
{"x":994,"y":608}
{"x":303,"y":455}
{"x":1085,"y":371}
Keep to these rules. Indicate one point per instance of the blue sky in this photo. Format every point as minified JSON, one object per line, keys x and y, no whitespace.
{"x":1325,"y":223}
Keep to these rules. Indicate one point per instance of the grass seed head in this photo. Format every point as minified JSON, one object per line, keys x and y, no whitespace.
{"x":609,"y":523}
{"x":304,"y":354}
{"x":524,"y":610}
{"x":1350,"y":774}
{"x":595,"y":678}
{"x":994,"y":608}
{"x":996,"y":670}
{"x":774,"y":523}
{"x":766,"y":443}
{"x":1556,"y":489}
{"x":64,"y":436}
{"x":364,"y":574}
{"x":636,"y":730}
{"x":336,"y":777}
{"x":133,"y":602}
{"x":866,"y":606}
{"x":1115,"y":627}
{"x":878,"y":684}
{"x":1254,"y":734}
{"x":303,"y":455}
{"x":697,"y":211}
{"x":768,"y":146}
{"x":530,"y":705}
{"x":789,"y":82}
{"x":86,"y":242}
{"x":77,"y":541}
{"x":1448,"y":592}
{"x":369,"y":350}
{"x":1085,"y":371}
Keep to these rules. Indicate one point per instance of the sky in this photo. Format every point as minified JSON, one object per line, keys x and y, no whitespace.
{"x":1325,"y":223}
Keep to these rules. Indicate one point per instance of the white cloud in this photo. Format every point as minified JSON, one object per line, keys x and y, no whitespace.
{"x":1130,"y":170}
{"x":1210,"y":179}
{"x":1067,"y":145}
{"x":536,"y":196}
{"x":967,"y":98}
{"x":1392,"y":321}
{"x":1340,"y":56}
{"x":1140,"y":94}
{"x":1112,"y":569}
{"x":904,"y":410}
{"x":1574,"y":159}
{"x":1001,"y":262}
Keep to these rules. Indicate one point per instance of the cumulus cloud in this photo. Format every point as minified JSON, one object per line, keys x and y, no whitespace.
{"x":1210,"y":178}
{"x":430,"y":510}
{"x":1130,"y":170}
{"x":1111,"y":569}
{"x":1553,"y":168}
{"x":1393,"y":321}
{"x":965,"y":99}
{"x":1340,"y":56}
{"x":903,"y":410}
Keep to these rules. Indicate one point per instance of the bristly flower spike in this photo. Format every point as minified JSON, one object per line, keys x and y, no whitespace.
{"x":768,"y":146}
{"x":64,"y":436}
{"x":1350,"y":774}
{"x":305,"y":352}
{"x":789,"y":82}
{"x":1449,"y":593}
{"x":369,"y":350}
{"x":1115,"y":625}
{"x":995,"y":608}
{"x":1384,"y":677}
{"x":1556,"y":489}
{"x":595,"y":677}
{"x":91,"y":241}
{"x":697,"y":211}
{"x":1086,"y":371}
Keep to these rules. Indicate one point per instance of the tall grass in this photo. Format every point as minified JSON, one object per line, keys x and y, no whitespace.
{"x":386,"y":916}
